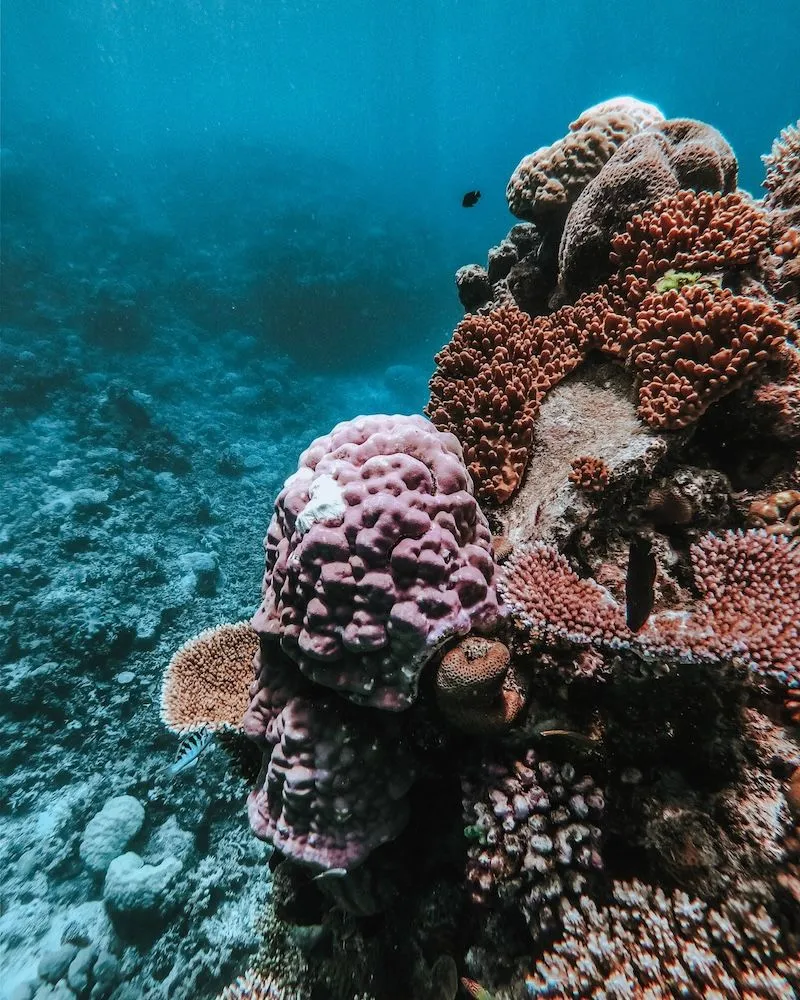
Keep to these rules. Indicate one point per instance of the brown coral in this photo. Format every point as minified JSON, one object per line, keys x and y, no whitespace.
{"x":206,"y":682}
{"x":589,"y":474}
{"x":550,"y":179}
{"x":778,"y":514}
{"x":477,"y":689}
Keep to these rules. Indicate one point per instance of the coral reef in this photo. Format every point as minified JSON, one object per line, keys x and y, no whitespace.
{"x":547,"y":748}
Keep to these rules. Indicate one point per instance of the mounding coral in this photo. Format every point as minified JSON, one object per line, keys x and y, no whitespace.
{"x":548,"y":748}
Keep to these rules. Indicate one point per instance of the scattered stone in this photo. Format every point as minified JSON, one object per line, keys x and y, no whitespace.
{"x":53,"y":965}
{"x":80,"y":969}
{"x":109,"y":832}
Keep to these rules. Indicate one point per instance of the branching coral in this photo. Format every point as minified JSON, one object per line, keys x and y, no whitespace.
{"x":650,"y":944}
{"x":535,"y":839}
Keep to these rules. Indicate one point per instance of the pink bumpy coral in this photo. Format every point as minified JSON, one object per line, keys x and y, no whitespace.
{"x":333,"y":789}
{"x":377,"y":553}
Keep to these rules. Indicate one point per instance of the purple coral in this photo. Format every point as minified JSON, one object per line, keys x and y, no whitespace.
{"x":535,"y":836}
{"x":332,"y":787}
{"x":377,"y":553}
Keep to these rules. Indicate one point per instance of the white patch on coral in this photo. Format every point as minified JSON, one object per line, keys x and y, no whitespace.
{"x":325,"y":503}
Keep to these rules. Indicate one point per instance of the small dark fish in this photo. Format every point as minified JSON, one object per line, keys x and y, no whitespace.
{"x":639,"y":594}
{"x":470,"y":198}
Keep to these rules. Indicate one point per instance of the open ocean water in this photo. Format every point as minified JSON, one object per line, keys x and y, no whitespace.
{"x":228,"y":225}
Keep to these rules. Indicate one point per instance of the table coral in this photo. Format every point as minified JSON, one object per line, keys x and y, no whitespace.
{"x":376,"y":554}
{"x":542,"y":589}
{"x":205,"y":684}
{"x":741,"y":576}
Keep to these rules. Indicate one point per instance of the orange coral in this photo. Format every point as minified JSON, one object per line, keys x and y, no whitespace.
{"x":692,"y":346}
{"x":487,"y":388}
{"x":689,"y":231}
{"x":590,"y":474}
{"x":206,"y":682}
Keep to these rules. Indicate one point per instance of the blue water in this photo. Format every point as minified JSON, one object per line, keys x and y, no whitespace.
{"x":228,"y":224}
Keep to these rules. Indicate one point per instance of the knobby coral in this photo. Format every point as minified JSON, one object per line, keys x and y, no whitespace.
{"x":377,"y":553}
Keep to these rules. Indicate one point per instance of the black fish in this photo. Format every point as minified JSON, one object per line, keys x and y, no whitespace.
{"x":639,"y":596}
{"x":470,"y":198}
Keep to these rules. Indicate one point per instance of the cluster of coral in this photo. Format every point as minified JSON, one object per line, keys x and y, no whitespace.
{"x":546,"y":746}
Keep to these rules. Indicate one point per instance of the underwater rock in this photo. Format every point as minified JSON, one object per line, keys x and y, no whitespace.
{"x":590,"y":413}
{"x":139,"y":897}
{"x":109,"y":832}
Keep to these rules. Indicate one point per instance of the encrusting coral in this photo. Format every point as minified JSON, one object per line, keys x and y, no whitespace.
{"x":546,"y":748}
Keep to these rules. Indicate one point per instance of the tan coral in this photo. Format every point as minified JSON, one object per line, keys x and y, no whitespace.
{"x":550,"y":179}
{"x":206,"y":682}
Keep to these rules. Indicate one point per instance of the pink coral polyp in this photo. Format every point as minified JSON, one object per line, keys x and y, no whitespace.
{"x":376,"y":554}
